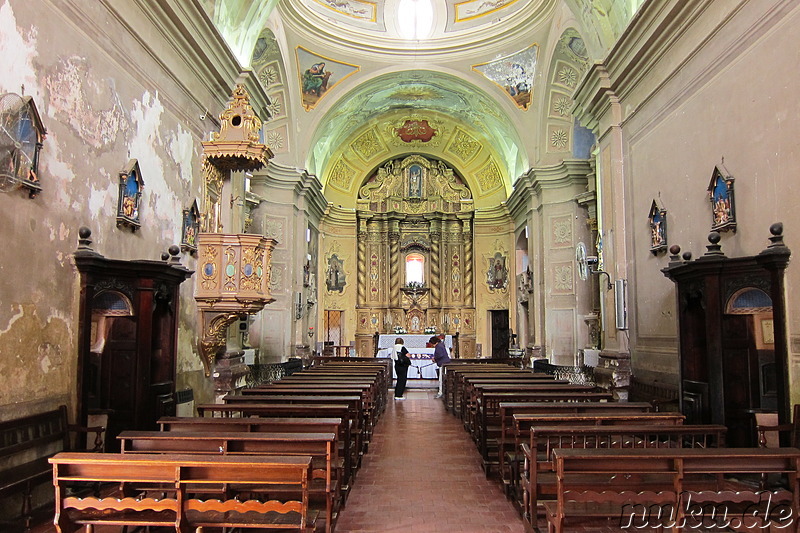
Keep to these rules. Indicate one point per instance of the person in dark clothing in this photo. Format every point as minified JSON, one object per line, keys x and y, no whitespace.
{"x":401,"y":364}
{"x":441,"y":358}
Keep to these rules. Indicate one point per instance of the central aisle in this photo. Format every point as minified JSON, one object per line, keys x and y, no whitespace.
{"x":423,"y":474}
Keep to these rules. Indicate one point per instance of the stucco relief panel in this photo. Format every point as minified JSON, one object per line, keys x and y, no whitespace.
{"x":277,"y":280}
{"x":274,"y":228}
{"x":563,"y":278}
{"x":560,"y":106}
{"x":561,"y":233}
{"x":558,"y":138}
{"x":278,"y":139}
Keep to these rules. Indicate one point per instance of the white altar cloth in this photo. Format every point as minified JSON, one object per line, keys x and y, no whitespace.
{"x":411,"y":341}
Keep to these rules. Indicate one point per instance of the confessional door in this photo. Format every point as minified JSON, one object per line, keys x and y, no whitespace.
{"x":500,"y":332}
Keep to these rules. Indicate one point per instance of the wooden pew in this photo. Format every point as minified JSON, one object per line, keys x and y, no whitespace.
{"x":234,"y":479}
{"x":320,"y":389}
{"x":466,"y":383}
{"x":26,"y":443}
{"x":368,"y":386}
{"x":626,"y":482}
{"x":271,"y":425}
{"x":484,"y":424}
{"x":294,"y":410}
{"x":537,"y":479}
{"x":321,"y":447}
{"x":454,"y":376}
{"x":354,"y":404}
{"x":508,"y":448}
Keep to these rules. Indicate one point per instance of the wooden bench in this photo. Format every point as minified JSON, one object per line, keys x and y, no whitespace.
{"x":508,"y":452}
{"x":537,"y":477}
{"x":271,"y":425}
{"x":27,"y":443}
{"x":235,"y":481}
{"x":323,"y":389}
{"x":295,"y":410}
{"x":633,"y":485}
{"x":354,"y":404}
{"x":455,"y":381}
{"x":484,"y":424}
{"x":321,"y":447}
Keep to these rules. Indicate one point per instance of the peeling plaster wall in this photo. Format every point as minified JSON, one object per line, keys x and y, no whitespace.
{"x":104,"y":99}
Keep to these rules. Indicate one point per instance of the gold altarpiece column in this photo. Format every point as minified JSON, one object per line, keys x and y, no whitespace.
{"x":414,"y":249}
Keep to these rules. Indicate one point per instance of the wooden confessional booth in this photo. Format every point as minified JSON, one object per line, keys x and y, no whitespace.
{"x":732,"y":336}
{"x":127,"y":339}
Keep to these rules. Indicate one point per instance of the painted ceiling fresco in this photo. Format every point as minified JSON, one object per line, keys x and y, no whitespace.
{"x":514,"y":74}
{"x":412,"y":91}
{"x":458,"y":108}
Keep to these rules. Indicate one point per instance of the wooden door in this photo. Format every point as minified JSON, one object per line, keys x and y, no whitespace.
{"x":740,"y":378}
{"x":500,"y":332}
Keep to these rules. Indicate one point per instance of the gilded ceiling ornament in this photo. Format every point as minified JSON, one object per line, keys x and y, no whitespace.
{"x":367,"y":145}
{"x":489,"y":176}
{"x":464,"y":145}
{"x":341,"y":175}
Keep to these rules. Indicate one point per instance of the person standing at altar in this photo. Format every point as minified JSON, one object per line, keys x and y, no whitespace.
{"x":401,"y":360}
{"x":441,"y":358}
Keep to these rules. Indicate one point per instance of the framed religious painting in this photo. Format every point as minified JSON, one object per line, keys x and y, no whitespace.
{"x":131,"y":185}
{"x":191,"y":226}
{"x":657,"y":219}
{"x":723,"y":207}
{"x":497,"y":274}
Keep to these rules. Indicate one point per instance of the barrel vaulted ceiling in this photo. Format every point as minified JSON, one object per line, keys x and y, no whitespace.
{"x":450,"y":75}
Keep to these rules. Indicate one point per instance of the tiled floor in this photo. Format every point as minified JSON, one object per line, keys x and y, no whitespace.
{"x":423,"y":474}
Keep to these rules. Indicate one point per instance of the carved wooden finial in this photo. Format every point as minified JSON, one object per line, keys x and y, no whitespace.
{"x":777,"y":235}
{"x":674,"y":257}
{"x":85,"y":242}
{"x":714,"y":248}
{"x":174,"y":251}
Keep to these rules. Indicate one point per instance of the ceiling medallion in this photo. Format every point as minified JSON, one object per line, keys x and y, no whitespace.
{"x":415,"y":130}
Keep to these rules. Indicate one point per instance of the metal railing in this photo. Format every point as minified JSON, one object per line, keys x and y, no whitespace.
{"x":267,"y":373}
{"x":579,"y":375}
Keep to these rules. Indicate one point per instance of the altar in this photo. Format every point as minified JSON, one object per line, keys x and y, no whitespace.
{"x":422,"y":365}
